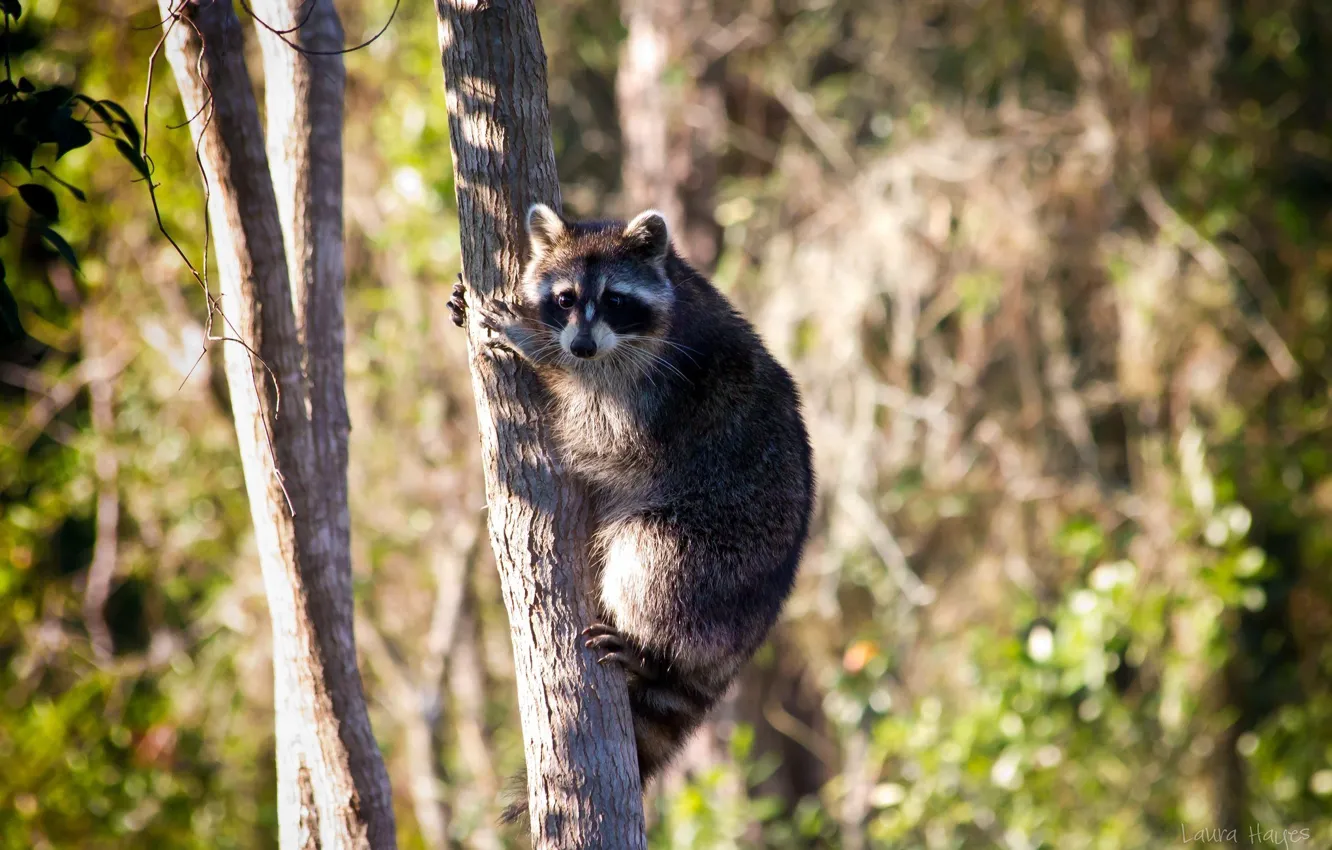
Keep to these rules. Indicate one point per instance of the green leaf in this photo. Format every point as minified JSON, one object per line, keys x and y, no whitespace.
{"x":70,"y":187}
{"x":133,"y":156}
{"x":126,"y":123}
{"x":4,"y":219}
{"x":61,"y":246}
{"x":55,"y":97}
{"x":41,"y":199}
{"x":71,"y":135}
{"x":25,"y":85}
{"x":98,"y":107}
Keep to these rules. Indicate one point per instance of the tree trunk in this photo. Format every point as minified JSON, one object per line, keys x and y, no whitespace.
{"x":333,"y":789}
{"x":673,"y":133}
{"x":583,"y":788}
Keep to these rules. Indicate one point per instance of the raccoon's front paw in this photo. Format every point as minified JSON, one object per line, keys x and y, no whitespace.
{"x":497,"y":316}
{"x":615,"y":647}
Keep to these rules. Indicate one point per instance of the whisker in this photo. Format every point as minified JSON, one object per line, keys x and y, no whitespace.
{"x":658,"y":359}
{"x":650,"y":358}
{"x":683,"y":349}
{"x":551,"y":345}
{"x":548,"y":349}
{"x":636,"y":358}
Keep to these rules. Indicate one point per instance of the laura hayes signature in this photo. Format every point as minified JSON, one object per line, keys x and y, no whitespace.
{"x":1257,"y":834}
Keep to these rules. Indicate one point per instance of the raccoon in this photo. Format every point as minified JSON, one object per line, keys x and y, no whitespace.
{"x":690,"y":439}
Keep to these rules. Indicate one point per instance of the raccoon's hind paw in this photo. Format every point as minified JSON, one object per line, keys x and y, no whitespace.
{"x":615,"y":647}
{"x":458,"y":303}
{"x":599,"y":629}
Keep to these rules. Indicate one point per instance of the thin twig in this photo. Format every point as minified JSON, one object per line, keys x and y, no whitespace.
{"x":282,"y":34}
{"x":1218,"y":265}
{"x":881,"y":538}
{"x":213,"y":305}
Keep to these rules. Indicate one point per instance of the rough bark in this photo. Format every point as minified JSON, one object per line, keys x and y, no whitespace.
{"x":581,"y":762}
{"x":303,"y":96}
{"x":673,"y":133}
{"x":333,"y":787}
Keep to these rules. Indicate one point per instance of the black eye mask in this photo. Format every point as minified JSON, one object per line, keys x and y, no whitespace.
{"x":630,"y":316}
{"x":552,"y":315}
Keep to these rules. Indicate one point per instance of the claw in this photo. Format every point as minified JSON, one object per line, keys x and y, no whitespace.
{"x":614,"y":647}
{"x":627,"y":661}
{"x":496,"y":314}
{"x":611,"y":642}
{"x":458,"y":303}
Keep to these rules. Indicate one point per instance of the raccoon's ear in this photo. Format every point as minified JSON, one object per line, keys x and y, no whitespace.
{"x":647,"y":236}
{"x":544,"y":228}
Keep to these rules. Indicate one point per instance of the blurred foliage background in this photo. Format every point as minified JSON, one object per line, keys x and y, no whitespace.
{"x":1053,"y":276}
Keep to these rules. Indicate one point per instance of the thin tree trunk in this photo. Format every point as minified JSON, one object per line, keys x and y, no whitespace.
{"x":673,"y":132}
{"x":333,"y":787}
{"x":407,"y":701}
{"x":303,"y":99}
{"x":583,"y":788}
{"x":102,"y":571}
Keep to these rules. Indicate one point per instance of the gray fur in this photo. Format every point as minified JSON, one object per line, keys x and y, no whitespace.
{"x":691,"y":440}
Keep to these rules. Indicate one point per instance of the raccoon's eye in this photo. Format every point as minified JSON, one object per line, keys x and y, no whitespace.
{"x":565,"y":300}
{"x":614,"y":299}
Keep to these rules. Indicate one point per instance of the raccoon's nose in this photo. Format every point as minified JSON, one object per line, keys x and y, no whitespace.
{"x":582,"y":347}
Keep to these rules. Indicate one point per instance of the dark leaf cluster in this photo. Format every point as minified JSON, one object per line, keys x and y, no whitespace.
{"x":33,"y":117}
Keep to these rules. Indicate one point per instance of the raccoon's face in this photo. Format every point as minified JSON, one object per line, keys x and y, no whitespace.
{"x":599,"y":290}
